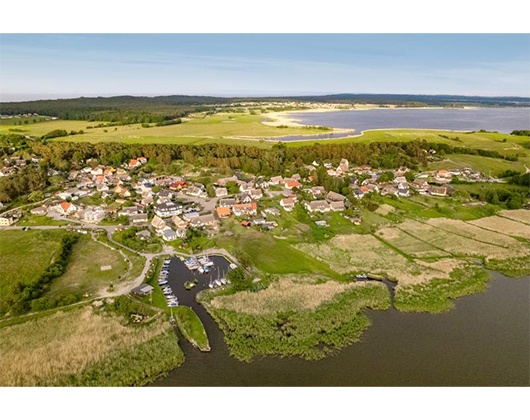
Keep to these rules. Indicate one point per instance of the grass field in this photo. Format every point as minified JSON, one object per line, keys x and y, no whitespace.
{"x":25,"y":255}
{"x":230,"y":128}
{"x":191,"y":327}
{"x":486,"y":165}
{"x":268,"y":254}
{"x":31,"y":220}
{"x":83,"y":348}
{"x":84,"y":274}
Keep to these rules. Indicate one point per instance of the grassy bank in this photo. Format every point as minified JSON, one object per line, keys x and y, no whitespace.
{"x":514,"y":267}
{"x":191,"y":327}
{"x":86,"y":347}
{"x":310,"y":334}
{"x":437,"y":295}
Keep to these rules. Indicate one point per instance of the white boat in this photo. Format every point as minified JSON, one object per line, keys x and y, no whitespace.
{"x":200,"y":269}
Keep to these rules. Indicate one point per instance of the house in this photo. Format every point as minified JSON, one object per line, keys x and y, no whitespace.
{"x":276,"y":180}
{"x":221,"y":192}
{"x":245,"y":223}
{"x":158,"y":223}
{"x":421,"y":186}
{"x":273,"y":211}
{"x":256,"y":193}
{"x":258,"y":221}
{"x":206,"y":220}
{"x":245,"y":209}
{"x":245,"y":198}
{"x":227,"y":202}
{"x":169,"y":209}
{"x":291,"y":183}
{"x":287,"y":203}
{"x":196,"y":191}
{"x":144,"y":235}
{"x":177,"y":185}
{"x":143,"y":290}
{"x":39,"y":211}
{"x":319,"y":205}
{"x":92,"y":214}
{"x":169,"y":234}
{"x":223,"y":212}
{"x":178,"y":222}
{"x":7,"y":220}
{"x":223,"y":181}
{"x":358,"y":194}
{"x":389,"y":190}
{"x":164,"y":196}
{"x":182,"y":233}
{"x":137,"y":219}
{"x":190,"y":215}
{"x":122,"y":191}
{"x":438,"y":191}
{"x":333,"y":196}
{"x":344,"y":166}
{"x":337,"y":206}
{"x":246,"y":187}
{"x":129,"y":211}
{"x":317,"y":192}
{"x":66,"y":208}
{"x":142,"y":160}
{"x":134,"y":163}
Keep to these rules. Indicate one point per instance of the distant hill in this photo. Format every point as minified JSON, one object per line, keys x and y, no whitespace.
{"x":132,"y":109}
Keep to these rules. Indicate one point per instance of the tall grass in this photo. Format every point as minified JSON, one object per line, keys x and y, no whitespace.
{"x":82,"y":347}
{"x":310,"y":334}
{"x":437,"y":295}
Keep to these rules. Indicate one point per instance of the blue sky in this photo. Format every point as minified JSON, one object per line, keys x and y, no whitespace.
{"x":64,"y":65}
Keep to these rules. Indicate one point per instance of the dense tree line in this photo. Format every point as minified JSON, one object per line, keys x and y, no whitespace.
{"x":447,"y":149}
{"x":520,"y":133}
{"x":25,"y":181}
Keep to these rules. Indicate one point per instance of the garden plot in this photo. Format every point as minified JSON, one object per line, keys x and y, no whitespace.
{"x":503,"y":225}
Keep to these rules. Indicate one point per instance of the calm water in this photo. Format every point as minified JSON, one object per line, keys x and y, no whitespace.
{"x":503,"y":120}
{"x":484,"y":341}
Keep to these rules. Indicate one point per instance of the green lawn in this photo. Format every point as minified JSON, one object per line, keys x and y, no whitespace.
{"x":269,"y":254}
{"x":25,"y":255}
{"x":84,"y":274}
{"x":31,"y":220}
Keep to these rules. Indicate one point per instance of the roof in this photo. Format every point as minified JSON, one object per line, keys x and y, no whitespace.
{"x":143,"y":289}
{"x":333,"y":196}
{"x":65,"y":205}
{"x":223,"y":211}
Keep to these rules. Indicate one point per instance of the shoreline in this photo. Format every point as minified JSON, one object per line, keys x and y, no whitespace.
{"x":277,"y":118}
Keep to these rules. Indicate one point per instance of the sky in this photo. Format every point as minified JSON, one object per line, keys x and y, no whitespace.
{"x":38,"y":66}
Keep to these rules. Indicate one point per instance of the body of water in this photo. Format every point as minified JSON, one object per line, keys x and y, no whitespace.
{"x":503,"y":120}
{"x":483,"y":341}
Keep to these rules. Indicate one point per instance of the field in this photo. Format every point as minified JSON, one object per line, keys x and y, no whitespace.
{"x":504,"y":226}
{"x":307,"y":333}
{"x":84,"y":274}
{"x":415,"y":252}
{"x":489,"y":166}
{"x":31,"y":220}
{"x":522,"y":216}
{"x":25,"y":255}
{"x":191,"y":327}
{"x":269,"y":254}
{"x":84,"y":348}
{"x":229,"y":128}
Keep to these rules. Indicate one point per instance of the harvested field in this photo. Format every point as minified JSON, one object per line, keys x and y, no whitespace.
{"x":473,"y":229}
{"x":503,"y":225}
{"x":292,"y":293}
{"x":522,"y":216}
{"x":48,"y":350}
{"x":365,"y":253}
{"x":459,"y":245}
{"x":409,"y":244}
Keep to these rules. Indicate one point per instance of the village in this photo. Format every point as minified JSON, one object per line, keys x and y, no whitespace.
{"x":168,"y":206}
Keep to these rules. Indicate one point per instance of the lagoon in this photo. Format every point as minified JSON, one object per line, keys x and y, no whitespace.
{"x":503,"y":120}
